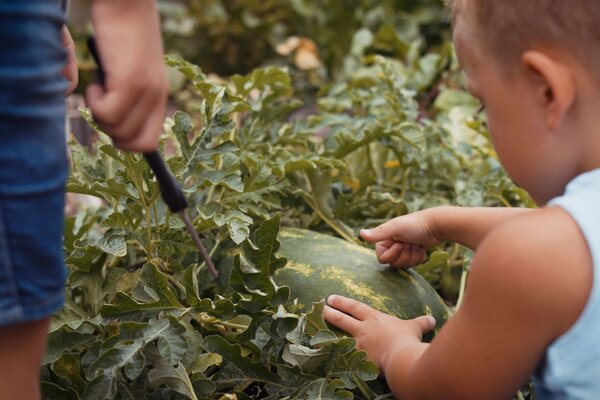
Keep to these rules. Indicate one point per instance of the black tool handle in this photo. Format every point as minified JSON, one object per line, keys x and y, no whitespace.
{"x":170,"y":190}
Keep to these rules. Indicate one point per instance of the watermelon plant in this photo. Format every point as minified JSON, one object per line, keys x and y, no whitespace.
{"x":144,"y":317}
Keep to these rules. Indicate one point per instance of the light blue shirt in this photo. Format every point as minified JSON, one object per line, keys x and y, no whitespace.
{"x":571,"y":367}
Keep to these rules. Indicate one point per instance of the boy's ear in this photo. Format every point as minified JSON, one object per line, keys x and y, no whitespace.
{"x":555,"y":86}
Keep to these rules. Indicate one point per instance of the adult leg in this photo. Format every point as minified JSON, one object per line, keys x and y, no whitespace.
{"x":33,"y":168}
{"x":21,"y":350}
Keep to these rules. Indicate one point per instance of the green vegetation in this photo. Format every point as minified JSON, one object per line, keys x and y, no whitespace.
{"x":378,"y":126}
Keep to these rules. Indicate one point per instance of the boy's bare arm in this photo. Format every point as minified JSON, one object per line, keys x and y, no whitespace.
{"x":529,"y":283}
{"x":469,"y":225}
{"x":402,"y":242}
{"x":131,"y":105}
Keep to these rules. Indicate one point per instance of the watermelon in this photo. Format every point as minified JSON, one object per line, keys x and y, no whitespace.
{"x":320,"y":265}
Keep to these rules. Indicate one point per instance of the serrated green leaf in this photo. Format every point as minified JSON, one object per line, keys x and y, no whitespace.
{"x":113,"y":242}
{"x":51,"y":391}
{"x":116,"y":220}
{"x":124,"y":354}
{"x":176,"y":379}
{"x":84,"y":255}
{"x":190,"y":70}
{"x":222,"y":178}
{"x":237,"y":223}
{"x":153,"y":280}
{"x":306,"y":358}
{"x":326,"y":389}
{"x":205,"y":361}
{"x":61,"y":342}
{"x":102,"y":387}
{"x":244,"y":367}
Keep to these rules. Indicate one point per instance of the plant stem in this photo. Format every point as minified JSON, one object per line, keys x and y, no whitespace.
{"x":232,"y":326}
{"x":463,"y":285}
{"x":455,"y":252}
{"x":405,"y":175}
{"x":364,"y":389}
{"x":114,"y":262}
{"x":215,"y":247}
{"x":503,"y":200}
{"x":156,"y":221}
{"x":176,"y":283}
{"x":205,"y":318}
{"x":328,"y":221}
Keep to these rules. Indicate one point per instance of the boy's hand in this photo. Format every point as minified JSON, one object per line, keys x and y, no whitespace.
{"x":70,"y":71}
{"x":131,"y":106}
{"x":403,"y":241}
{"x":381,"y":335}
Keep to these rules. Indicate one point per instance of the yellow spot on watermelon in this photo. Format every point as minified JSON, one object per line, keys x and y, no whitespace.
{"x":302,"y":269}
{"x":377,"y":300}
{"x":292,"y":233}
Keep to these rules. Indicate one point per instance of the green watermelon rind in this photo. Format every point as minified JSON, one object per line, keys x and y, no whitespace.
{"x":320,"y":265}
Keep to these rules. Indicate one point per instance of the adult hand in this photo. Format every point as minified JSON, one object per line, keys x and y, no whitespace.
{"x":70,"y":71}
{"x":131,"y":105}
{"x":403,"y":241}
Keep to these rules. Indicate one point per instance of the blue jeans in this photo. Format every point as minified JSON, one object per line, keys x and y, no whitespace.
{"x":33,"y":160}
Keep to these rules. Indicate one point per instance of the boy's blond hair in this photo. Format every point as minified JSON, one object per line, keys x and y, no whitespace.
{"x":510,"y":27}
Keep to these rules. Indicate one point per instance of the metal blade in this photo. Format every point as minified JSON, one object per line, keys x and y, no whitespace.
{"x":190,"y":227}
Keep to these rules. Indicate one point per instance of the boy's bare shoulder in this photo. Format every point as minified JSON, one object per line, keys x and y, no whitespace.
{"x":543,"y":260}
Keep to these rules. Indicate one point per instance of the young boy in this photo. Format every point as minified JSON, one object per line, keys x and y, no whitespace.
{"x":532,"y":304}
{"x":33,"y":162}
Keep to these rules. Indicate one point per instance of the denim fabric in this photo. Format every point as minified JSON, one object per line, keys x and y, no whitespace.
{"x":33,"y":161}
{"x":571,"y":366}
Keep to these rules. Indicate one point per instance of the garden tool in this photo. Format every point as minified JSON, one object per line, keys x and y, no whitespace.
{"x":170,"y":191}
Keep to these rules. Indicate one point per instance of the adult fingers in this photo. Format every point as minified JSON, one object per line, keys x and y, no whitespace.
{"x":70,"y":71}
{"x":136,"y":129}
{"x":135,"y":121}
{"x":111,"y":107}
{"x":148,"y":137}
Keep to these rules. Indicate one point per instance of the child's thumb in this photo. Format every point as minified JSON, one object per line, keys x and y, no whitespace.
{"x":378,"y":234}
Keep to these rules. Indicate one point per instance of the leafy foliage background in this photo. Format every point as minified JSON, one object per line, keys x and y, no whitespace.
{"x":376,"y":124}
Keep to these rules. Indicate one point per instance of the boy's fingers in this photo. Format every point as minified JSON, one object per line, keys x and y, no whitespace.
{"x":341,"y":320}
{"x":352,"y":307}
{"x":392,"y":229}
{"x":410,"y":256}
{"x":404,"y":260}
{"x":417,"y":255}
{"x":423,"y":256}
{"x":425,"y":323}
{"x":390,"y":254}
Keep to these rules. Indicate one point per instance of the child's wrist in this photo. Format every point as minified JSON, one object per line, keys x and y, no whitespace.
{"x":434,"y":219}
